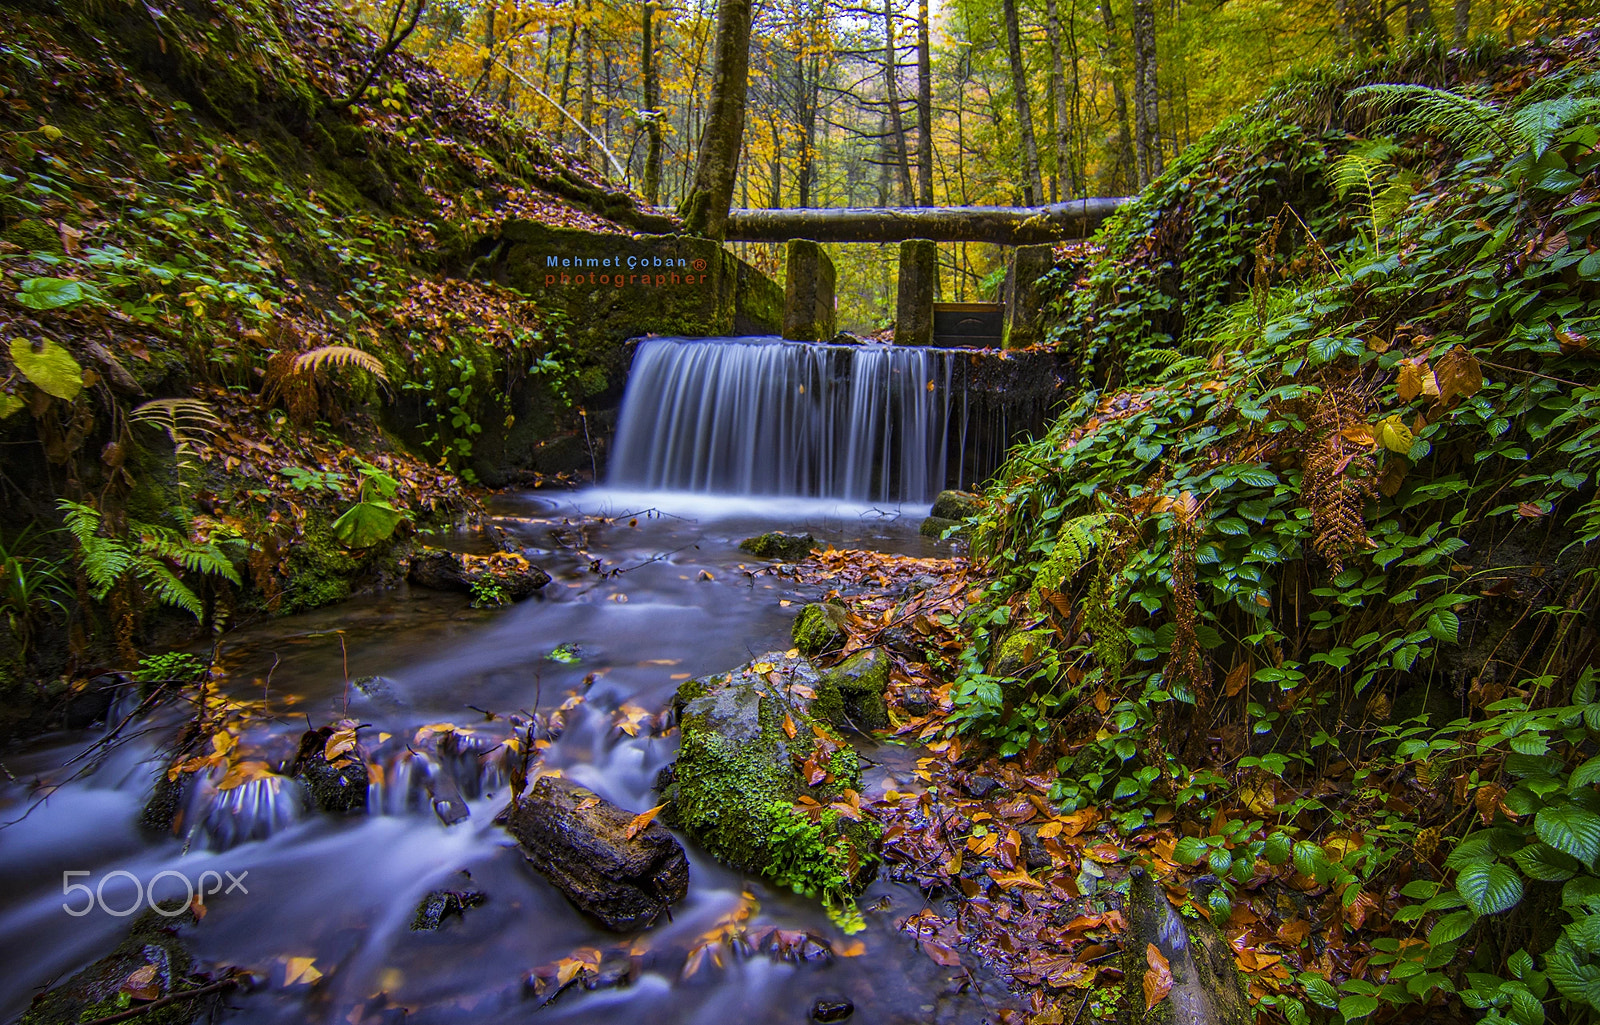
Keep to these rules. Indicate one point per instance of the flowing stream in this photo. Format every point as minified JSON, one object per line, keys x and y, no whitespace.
{"x":343,"y":890}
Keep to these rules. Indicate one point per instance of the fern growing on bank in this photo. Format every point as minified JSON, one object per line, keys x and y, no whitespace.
{"x":150,"y":555}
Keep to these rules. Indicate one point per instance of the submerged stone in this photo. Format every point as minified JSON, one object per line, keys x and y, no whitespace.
{"x":820,"y":628}
{"x":783,"y":547}
{"x":442,"y":904}
{"x":757,"y":742}
{"x":593,"y":852}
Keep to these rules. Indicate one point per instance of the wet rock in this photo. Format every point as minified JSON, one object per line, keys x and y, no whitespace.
{"x":982,"y":786}
{"x":935,"y":526}
{"x":440,"y":570}
{"x":337,"y":787}
{"x":1018,"y":650}
{"x":442,"y":904}
{"x":164,"y":802}
{"x":1206,"y":986}
{"x":150,"y":963}
{"x":777,"y":545}
{"x":1033,"y":851}
{"x":903,"y":639}
{"x":579,"y":841}
{"x":91,"y":703}
{"x":956,"y":505}
{"x":755,"y":741}
{"x":920,"y":583}
{"x":827,"y":1010}
{"x":860,"y":681}
{"x":819,"y":628}
{"x":918,"y":701}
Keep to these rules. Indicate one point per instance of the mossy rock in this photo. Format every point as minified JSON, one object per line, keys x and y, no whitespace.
{"x":96,"y":991}
{"x":956,"y":505}
{"x":33,"y":236}
{"x":820,"y":628}
{"x":1207,"y":988}
{"x":775,"y":544}
{"x":935,"y":526}
{"x":1018,"y":650}
{"x":739,"y":773}
{"x":860,"y":681}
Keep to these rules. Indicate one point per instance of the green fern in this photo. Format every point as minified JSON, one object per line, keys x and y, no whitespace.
{"x":1074,"y":544}
{"x":146,"y":555}
{"x":1475,"y":126}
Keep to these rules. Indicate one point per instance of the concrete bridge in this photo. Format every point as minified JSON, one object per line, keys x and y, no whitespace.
{"x":1028,"y":233}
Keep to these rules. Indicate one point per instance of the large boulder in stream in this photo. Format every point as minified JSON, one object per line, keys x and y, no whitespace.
{"x":1207,"y":988}
{"x":594,"y":852}
{"x":764,"y":781}
{"x":510,"y":572}
{"x":861,"y":680}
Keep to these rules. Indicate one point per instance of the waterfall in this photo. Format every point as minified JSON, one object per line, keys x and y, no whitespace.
{"x":768,"y":417}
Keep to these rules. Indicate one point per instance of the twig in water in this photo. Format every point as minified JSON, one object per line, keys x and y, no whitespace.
{"x":232,"y":981}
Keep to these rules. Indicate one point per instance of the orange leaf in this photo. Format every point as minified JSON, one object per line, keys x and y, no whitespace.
{"x":941,"y":954}
{"x":642,"y":820}
{"x":1238,"y":676}
{"x":788,"y":726}
{"x":1157,"y":978}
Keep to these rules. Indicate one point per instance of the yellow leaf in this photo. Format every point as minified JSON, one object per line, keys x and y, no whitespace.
{"x":642,"y":821}
{"x":1049,"y":829}
{"x":1416,"y":379}
{"x":850,"y":948}
{"x":1395,"y":435}
{"x":300,"y":969}
{"x":762,"y":668}
{"x":1157,"y":978}
{"x":788,"y":726}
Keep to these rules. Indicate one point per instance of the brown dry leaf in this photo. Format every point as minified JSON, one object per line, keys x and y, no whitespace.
{"x":941,"y":954}
{"x":197,"y":907}
{"x":1416,"y":379}
{"x":1157,"y":978}
{"x":1049,"y":829}
{"x":243,"y":773}
{"x":849,"y":948}
{"x":1238,"y":676}
{"x":1019,"y":879}
{"x":1529,"y":511}
{"x":1459,"y":375}
{"x":341,"y":741}
{"x":587,"y":803}
{"x":141,"y":984}
{"x":788,"y":726}
{"x":584,"y":959}
{"x":642,"y":821}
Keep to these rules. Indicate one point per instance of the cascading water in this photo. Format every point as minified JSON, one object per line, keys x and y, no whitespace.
{"x":767,"y":417}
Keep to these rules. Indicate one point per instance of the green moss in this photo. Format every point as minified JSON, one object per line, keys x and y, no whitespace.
{"x":860,"y":681}
{"x":1020,"y":649}
{"x":95,"y":993}
{"x":819,"y":628}
{"x":33,"y":236}
{"x":736,"y":761}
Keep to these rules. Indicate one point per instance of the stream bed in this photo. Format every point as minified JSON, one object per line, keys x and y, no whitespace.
{"x":343,"y":891}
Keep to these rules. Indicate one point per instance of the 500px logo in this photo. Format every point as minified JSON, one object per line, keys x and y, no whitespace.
{"x":143,"y":894}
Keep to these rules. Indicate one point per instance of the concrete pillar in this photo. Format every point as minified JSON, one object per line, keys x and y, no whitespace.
{"x":1025,"y":265}
{"x":918,"y":288}
{"x":808,"y":280}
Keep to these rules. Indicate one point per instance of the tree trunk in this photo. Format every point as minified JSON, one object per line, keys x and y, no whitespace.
{"x":810,"y":84}
{"x":1032,"y":192}
{"x":1063,"y":107}
{"x":1125,"y":176}
{"x":705,"y":208}
{"x":1419,"y":19}
{"x":1463,"y":20}
{"x":652,"y":107}
{"x":897,"y":126}
{"x":566,"y":79}
{"x":924,"y":108}
{"x":1146,"y":98}
{"x":1003,"y":225}
{"x":586,"y":118}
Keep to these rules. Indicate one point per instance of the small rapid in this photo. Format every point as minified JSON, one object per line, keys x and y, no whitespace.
{"x":639,"y":601}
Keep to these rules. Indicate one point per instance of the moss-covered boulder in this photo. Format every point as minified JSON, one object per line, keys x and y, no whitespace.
{"x":860,"y":681}
{"x":820,"y":628}
{"x":935,"y":526}
{"x":956,"y":505}
{"x":1018,"y":650}
{"x":778,"y":545}
{"x":151,"y":963}
{"x":766,"y":784}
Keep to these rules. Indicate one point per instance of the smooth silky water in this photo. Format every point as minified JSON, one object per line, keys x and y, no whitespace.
{"x":343,"y":890}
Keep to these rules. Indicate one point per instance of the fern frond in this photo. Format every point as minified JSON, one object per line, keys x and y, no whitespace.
{"x":1184,"y":366}
{"x":205,"y":559}
{"x":1074,"y":544}
{"x":1469,"y":124}
{"x":104,"y":559}
{"x":1539,"y":123}
{"x":167,"y":588}
{"x":185,"y":421}
{"x":313,"y":360}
